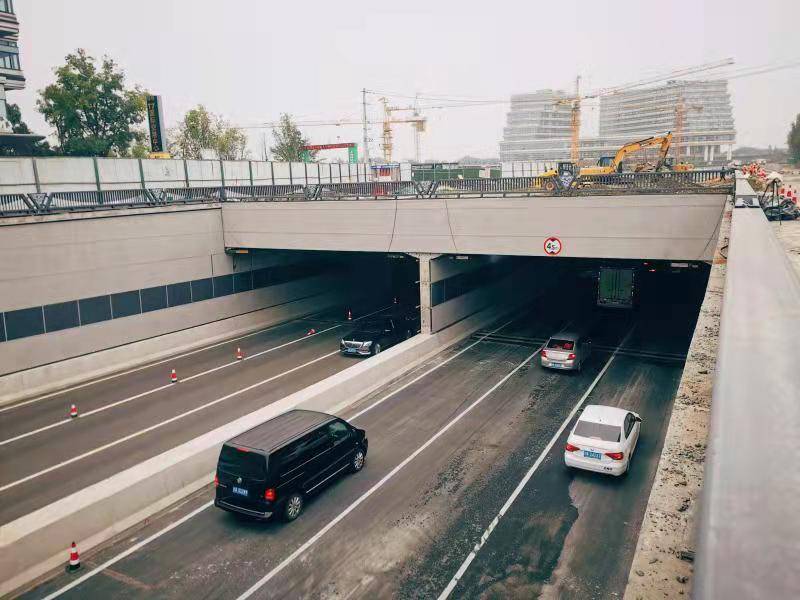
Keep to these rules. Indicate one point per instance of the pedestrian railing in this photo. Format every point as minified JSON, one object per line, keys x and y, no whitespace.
{"x":692,"y":182}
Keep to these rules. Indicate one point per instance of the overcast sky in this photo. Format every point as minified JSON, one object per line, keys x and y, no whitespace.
{"x":252,"y":60}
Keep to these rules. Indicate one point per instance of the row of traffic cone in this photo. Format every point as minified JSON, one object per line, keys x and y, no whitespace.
{"x":173,"y":376}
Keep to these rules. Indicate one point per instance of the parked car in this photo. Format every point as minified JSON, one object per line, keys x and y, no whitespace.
{"x":566,"y":351}
{"x":603,"y":440}
{"x":272,"y":468}
{"x":378,"y":334}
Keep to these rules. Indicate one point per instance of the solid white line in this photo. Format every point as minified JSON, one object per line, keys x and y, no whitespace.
{"x":210,"y":503}
{"x":129,"y":551}
{"x":185,"y":354}
{"x":311,"y":541}
{"x":426,"y":373}
{"x":153,"y":364}
{"x":161,"y":424}
{"x":169,"y":385}
{"x":485,"y":537}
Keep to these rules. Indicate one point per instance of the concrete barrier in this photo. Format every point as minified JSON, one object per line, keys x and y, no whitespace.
{"x":36,"y":543}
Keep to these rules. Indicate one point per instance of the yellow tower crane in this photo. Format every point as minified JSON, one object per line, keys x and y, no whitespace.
{"x":416,"y":120}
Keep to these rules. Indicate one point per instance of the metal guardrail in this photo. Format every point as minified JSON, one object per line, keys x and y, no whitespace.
{"x":716,"y":181}
{"x":749,"y":528}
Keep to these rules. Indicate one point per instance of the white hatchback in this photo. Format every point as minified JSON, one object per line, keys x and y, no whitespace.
{"x":603,"y":440}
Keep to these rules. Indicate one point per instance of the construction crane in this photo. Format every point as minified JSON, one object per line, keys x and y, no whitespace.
{"x":416,"y":120}
{"x":574,"y":102}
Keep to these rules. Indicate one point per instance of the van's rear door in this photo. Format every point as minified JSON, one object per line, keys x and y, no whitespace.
{"x":242,"y":474}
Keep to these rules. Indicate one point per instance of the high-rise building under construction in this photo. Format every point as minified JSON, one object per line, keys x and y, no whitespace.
{"x":697,"y":112}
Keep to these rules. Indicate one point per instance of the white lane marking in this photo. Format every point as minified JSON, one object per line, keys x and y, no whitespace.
{"x":485,"y":537}
{"x":129,"y":551}
{"x":209,"y":504}
{"x":162,"y":423}
{"x":169,"y":385}
{"x":185,"y":354}
{"x":426,"y":373}
{"x":153,"y":364}
{"x":331,"y":524}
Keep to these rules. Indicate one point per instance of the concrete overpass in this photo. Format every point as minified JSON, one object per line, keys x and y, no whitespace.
{"x":647,"y":226}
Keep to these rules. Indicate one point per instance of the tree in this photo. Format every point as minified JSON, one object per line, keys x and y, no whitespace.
{"x":34,"y":148}
{"x":793,"y":140}
{"x":201,"y":130}
{"x":92,"y":111}
{"x":289,"y":141}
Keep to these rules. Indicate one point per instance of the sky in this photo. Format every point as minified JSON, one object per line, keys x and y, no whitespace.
{"x":251,"y":60}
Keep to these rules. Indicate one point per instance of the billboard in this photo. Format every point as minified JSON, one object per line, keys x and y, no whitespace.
{"x":155,"y":120}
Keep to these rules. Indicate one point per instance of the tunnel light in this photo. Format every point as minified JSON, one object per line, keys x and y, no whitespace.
{"x":461,"y":257}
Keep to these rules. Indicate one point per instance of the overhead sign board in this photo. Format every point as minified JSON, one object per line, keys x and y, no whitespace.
{"x":155,"y":120}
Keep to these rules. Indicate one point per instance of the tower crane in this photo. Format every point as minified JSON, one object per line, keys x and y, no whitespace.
{"x":574,"y":102}
{"x":416,"y":120}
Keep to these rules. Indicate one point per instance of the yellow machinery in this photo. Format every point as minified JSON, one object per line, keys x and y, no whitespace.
{"x":613,"y":164}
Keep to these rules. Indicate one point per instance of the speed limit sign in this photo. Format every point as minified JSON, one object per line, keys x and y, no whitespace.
{"x":552,"y":246}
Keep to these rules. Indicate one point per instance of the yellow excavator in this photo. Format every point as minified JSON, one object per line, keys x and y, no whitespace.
{"x":613,"y":164}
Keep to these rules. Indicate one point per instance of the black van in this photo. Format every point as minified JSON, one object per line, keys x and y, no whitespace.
{"x":269,"y":469}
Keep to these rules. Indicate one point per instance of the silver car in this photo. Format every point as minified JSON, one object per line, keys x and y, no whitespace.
{"x":566,"y":351}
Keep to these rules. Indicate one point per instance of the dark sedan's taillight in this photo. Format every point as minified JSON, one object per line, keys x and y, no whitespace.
{"x":270,"y":494}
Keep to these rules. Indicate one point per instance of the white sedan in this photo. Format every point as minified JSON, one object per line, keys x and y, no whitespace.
{"x":603,"y":440}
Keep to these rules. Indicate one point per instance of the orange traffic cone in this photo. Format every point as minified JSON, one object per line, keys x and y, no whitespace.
{"x":74,"y":558}
{"x":73,"y":411}
{"x":311,"y":331}
{"x":349,"y":315}
{"x":173,"y":377}
{"x":239,"y":354}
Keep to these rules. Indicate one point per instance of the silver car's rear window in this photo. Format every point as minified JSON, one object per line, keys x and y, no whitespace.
{"x":556,"y":344}
{"x":598,"y":431}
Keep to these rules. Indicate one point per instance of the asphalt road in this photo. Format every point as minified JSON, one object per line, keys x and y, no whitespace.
{"x":141,"y":414}
{"x":448,"y":445}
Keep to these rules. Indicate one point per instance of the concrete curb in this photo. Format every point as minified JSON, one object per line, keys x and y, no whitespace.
{"x":36,"y":543}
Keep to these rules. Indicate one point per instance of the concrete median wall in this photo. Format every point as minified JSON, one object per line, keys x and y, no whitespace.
{"x":36,"y":543}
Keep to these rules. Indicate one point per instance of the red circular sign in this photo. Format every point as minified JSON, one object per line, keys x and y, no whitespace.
{"x":552,"y":246}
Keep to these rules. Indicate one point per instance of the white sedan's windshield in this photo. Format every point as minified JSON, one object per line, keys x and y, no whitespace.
{"x":598,"y":431}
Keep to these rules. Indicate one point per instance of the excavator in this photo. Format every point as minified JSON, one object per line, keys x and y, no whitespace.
{"x":606,"y":165}
{"x":613,"y":164}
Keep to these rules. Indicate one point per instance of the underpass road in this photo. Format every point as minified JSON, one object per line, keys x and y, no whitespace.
{"x":290,"y":369}
{"x":567,"y":535}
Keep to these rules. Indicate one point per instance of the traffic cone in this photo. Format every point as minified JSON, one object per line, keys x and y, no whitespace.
{"x":73,"y":411}
{"x":311,"y":331}
{"x":239,"y":354}
{"x":349,"y":315}
{"x":173,"y":377}
{"x":74,"y":558}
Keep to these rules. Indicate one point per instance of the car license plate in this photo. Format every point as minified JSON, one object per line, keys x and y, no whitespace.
{"x":556,"y":365}
{"x":240,"y":491}
{"x":590,"y":454}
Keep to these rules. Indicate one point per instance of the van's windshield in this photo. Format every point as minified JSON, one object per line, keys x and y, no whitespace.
{"x":242,"y":462}
{"x":556,"y":344}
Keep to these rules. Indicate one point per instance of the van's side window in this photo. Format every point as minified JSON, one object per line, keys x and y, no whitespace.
{"x":338,"y":431}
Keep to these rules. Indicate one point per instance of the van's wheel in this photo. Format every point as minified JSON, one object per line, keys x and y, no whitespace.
{"x":376,"y":349}
{"x":358,"y":461}
{"x":293,"y":507}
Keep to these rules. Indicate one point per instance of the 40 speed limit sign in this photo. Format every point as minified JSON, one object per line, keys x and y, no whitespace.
{"x":552,"y":246}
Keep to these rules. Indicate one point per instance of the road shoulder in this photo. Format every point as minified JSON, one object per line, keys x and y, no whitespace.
{"x":662,"y":565}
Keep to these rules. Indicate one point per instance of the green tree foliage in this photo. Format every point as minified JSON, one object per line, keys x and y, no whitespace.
{"x":200,"y":131}
{"x":34,"y":148}
{"x":793,"y":140}
{"x":92,"y":111}
{"x":289,"y":141}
